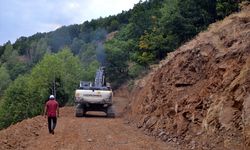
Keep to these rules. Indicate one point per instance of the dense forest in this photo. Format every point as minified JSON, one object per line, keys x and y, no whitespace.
{"x":126,"y":44}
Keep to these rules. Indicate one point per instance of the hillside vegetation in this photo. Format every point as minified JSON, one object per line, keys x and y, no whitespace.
{"x":36,"y":66}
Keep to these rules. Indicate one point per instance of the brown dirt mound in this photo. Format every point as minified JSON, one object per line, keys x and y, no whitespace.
{"x":20,"y":135}
{"x":199,"y":96}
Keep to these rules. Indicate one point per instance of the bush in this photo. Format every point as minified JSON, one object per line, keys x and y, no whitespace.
{"x":136,"y":70}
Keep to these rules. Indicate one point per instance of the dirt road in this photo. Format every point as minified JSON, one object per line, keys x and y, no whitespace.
{"x":93,"y":132}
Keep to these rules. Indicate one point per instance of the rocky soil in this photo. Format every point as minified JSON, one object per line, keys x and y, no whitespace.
{"x":199,"y":97}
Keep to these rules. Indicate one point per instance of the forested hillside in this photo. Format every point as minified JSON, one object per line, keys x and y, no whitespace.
{"x":126,"y":44}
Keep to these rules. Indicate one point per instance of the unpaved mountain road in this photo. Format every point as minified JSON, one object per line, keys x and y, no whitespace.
{"x":93,"y":132}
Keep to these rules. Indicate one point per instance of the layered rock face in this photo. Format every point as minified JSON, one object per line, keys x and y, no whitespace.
{"x":199,"y":97}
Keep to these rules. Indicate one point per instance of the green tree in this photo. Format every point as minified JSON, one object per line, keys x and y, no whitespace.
{"x":77,"y":45}
{"x":38,"y":49}
{"x":226,"y":7}
{"x":16,"y":104}
{"x":7,"y":52}
{"x":154,"y":44}
{"x":56,"y":73}
{"x":117,"y":58}
{"x":136,"y":70}
{"x":90,"y":70}
{"x":87,"y":54}
{"x":114,"y":25}
{"x":15,"y":65}
{"x":71,"y":73}
{"x":4,"y":78}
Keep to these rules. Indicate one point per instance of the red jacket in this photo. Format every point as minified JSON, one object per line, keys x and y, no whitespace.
{"x":52,"y":106}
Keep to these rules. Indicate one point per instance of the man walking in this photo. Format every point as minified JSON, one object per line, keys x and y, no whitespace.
{"x":51,"y":110}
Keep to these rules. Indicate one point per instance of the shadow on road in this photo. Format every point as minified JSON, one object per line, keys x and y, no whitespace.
{"x":95,"y":115}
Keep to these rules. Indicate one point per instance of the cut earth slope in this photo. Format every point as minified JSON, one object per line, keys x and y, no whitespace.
{"x":199,"y":97}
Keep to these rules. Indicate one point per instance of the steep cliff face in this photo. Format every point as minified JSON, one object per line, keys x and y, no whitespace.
{"x":199,"y":96}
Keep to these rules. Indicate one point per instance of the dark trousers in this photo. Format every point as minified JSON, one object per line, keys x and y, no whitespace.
{"x":52,"y":124}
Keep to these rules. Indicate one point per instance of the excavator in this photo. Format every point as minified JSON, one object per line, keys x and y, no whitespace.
{"x":95,"y":96}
